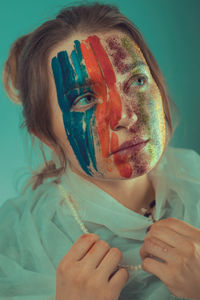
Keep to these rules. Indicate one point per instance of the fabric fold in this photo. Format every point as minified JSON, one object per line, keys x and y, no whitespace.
{"x":37,"y":228}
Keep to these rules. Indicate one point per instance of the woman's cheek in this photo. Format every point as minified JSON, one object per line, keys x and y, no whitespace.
{"x":79,"y":134}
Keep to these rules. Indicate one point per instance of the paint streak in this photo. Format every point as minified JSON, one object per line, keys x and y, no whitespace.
{"x":102,"y":109}
{"x":95,"y":127}
{"x":90,"y":113}
{"x":124,"y":167}
{"x":114,"y":99}
{"x":114,"y":105}
{"x":100,"y":90}
{"x":80,"y":137}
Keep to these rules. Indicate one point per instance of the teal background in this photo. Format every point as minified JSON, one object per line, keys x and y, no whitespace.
{"x":171,"y":29}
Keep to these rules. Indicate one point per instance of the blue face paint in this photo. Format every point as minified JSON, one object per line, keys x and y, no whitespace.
{"x":78,"y":125}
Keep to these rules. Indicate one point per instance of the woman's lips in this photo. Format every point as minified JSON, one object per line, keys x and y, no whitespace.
{"x":131,"y":147}
{"x":132,"y":150}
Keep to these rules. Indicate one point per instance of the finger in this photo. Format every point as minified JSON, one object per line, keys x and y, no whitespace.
{"x":118,"y":280}
{"x":180,"y":227}
{"x":156,"y":268}
{"x":110,"y":262}
{"x":157,"y":249}
{"x":169,"y":237}
{"x":81,"y":247}
{"x":96,"y":254}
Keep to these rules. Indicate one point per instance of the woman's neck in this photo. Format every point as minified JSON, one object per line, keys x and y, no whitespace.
{"x":132,"y":193}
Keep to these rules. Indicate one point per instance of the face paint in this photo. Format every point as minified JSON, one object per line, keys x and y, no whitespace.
{"x":116,"y":50}
{"x":92,"y":127}
{"x":77,"y":124}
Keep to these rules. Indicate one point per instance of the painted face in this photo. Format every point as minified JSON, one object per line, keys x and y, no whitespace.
{"x":109,"y":101}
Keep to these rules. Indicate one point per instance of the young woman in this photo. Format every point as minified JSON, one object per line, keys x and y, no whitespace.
{"x":92,"y":91}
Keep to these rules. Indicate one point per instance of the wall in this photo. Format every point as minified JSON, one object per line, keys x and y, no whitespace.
{"x":170,"y":28}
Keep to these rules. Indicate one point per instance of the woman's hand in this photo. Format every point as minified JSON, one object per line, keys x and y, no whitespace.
{"x":87,"y":271}
{"x":177,"y":244}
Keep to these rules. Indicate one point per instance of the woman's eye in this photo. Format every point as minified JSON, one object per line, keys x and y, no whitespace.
{"x":138,"y":81}
{"x":84,"y":102}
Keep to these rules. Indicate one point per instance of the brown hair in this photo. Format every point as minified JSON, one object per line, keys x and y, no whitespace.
{"x":25,"y":71}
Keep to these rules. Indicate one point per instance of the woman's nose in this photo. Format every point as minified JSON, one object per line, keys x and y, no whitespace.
{"x":127,"y":120}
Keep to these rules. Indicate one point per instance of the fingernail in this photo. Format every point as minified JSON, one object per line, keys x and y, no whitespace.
{"x":148,"y":228}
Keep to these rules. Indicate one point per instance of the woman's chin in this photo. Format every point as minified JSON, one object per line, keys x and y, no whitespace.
{"x":123,"y":173}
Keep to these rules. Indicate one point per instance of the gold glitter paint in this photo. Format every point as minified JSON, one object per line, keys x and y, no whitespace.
{"x":144,"y":116}
{"x":162,"y":126}
{"x":161,"y":116}
{"x":128,"y":45}
{"x":135,"y":54}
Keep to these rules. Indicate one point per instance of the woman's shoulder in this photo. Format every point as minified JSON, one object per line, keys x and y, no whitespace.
{"x":28,"y":199}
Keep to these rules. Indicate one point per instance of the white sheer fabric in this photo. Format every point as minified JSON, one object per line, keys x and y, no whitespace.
{"x":37,"y":228}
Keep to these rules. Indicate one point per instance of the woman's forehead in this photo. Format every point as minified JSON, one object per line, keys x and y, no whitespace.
{"x":118,"y":46}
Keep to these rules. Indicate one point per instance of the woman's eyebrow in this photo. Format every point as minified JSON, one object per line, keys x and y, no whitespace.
{"x":134,"y":65}
{"x":87,"y":82}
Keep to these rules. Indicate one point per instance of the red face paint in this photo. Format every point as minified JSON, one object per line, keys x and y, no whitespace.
{"x":109,"y":112}
{"x":124,"y":167}
{"x":102,"y":108}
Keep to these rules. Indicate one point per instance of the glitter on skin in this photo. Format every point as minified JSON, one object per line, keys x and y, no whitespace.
{"x":140,"y":102}
{"x":159,"y":112}
{"x":114,"y":104}
{"x":114,"y":45}
{"x":118,"y":55}
{"x":129,"y":47}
